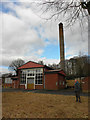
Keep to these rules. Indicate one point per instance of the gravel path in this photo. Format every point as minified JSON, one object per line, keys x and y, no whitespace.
{"x":61,"y":92}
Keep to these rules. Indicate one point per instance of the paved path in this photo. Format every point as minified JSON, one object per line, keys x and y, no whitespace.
{"x":61,"y":92}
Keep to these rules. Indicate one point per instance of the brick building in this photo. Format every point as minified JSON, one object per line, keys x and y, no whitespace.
{"x":32,"y":75}
{"x":55,"y":79}
{"x":86,"y":84}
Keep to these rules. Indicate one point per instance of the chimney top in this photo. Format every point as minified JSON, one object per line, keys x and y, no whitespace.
{"x":60,"y":25}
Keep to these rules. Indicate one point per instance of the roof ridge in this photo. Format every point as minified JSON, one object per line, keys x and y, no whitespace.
{"x":56,"y":70}
{"x":37,"y":63}
{"x":30,"y":62}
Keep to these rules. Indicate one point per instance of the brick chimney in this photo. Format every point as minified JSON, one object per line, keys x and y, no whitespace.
{"x":61,"y":42}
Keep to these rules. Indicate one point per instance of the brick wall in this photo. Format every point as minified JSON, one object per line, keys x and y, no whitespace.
{"x":61,"y":79}
{"x":15,"y":83}
{"x":86,"y":84}
{"x":7,"y":85}
{"x":22,"y":86}
{"x":19,"y":74}
{"x":50,"y":81}
{"x":38,"y":86}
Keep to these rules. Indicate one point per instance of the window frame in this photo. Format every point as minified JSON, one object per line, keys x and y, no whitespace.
{"x":34,"y":71}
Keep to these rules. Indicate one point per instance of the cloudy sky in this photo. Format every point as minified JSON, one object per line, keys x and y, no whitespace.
{"x":24,"y":34}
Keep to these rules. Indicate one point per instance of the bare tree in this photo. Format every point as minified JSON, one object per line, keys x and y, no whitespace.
{"x":15,"y":64}
{"x":86,"y":5}
{"x":54,"y":66}
{"x":71,"y":10}
{"x":77,"y":67}
{"x":41,"y":62}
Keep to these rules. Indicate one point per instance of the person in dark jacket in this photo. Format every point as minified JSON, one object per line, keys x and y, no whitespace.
{"x":77,"y":90}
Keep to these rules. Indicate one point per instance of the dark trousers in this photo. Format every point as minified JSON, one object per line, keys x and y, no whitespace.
{"x":77,"y":93}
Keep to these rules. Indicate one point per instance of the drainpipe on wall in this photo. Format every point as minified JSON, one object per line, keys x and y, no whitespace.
{"x":44,"y":79}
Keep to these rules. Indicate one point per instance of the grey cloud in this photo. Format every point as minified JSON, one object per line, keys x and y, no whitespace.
{"x":22,"y":40}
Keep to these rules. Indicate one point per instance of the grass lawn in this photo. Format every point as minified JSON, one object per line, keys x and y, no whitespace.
{"x":35,"y":105}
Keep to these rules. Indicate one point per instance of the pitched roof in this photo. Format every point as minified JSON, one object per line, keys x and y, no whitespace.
{"x":59,"y":71}
{"x":31,"y":64}
{"x":14,"y":77}
{"x":62,"y":72}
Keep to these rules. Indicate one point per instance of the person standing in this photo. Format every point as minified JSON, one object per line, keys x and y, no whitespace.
{"x":77,"y":91}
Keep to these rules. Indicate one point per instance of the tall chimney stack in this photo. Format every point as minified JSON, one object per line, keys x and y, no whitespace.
{"x":61,"y":42}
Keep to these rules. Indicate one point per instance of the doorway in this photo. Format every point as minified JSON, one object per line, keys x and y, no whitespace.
{"x":30,"y":82}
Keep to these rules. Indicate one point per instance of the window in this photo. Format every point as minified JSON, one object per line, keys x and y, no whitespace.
{"x":38,"y":73}
{"x":56,"y":83}
{"x":8,"y":80}
{"x":63,"y":82}
{"x":23,"y":77}
{"x":38,"y":78}
{"x":59,"y":82}
{"x":36,"y":82}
